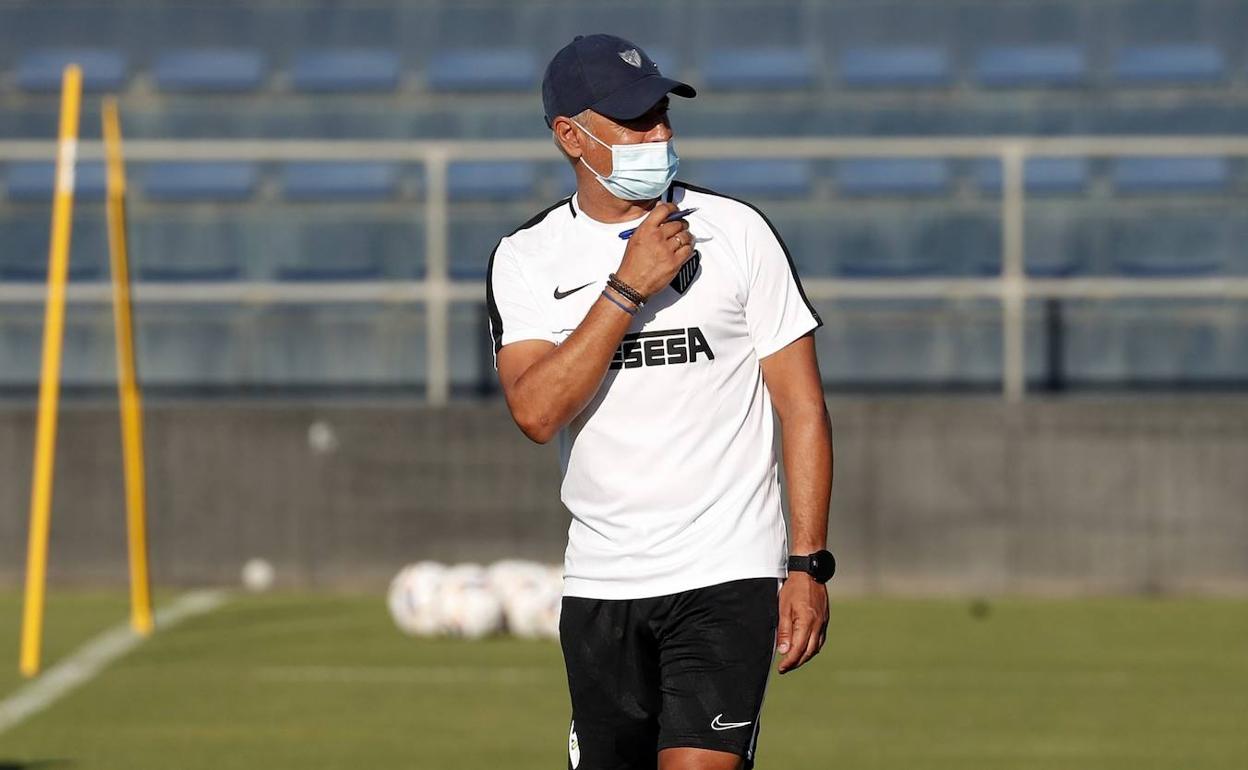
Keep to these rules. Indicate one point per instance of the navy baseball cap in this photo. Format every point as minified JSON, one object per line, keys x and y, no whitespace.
{"x":607,"y":74}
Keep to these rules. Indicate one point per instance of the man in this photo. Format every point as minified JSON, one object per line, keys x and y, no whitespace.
{"x":657,"y":359}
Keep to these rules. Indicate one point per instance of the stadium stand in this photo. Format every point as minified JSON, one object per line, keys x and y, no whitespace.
{"x":1169,"y":243}
{"x":210,"y":69}
{"x":24,"y":258}
{"x":1154,"y":65}
{"x":188,"y":248}
{"x":752,"y":178}
{"x":734,"y":69}
{"x":32,"y":181}
{"x":893,"y":176}
{"x":492,"y":180}
{"x":333,"y":251}
{"x":1171,"y":175}
{"x":1041,"y":176}
{"x":340,"y":181}
{"x":473,"y":235}
{"x":910,"y":66}
{"x":200,"y":181}
{"x":483,"y":69}
{"x":441,"y":69}
{"x":102,"y":69}
{"x":1027,"y":66}
{"x":346,"y":71}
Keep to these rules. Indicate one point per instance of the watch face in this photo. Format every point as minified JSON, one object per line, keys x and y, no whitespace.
{"x":822,"y":566}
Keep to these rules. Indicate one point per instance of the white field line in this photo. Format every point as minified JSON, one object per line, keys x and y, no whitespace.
{"x":403,"y":674}
{"x":90,"y":659}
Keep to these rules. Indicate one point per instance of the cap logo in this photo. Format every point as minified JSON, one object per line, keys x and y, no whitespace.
{"x":632,"y":57}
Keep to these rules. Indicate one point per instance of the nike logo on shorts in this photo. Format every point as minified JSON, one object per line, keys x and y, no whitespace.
{"x":716,"y":724}
{"x":562,"y":294}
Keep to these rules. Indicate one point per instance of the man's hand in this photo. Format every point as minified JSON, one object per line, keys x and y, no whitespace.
{"x":803,"y":620}
{"x":657,"y":251}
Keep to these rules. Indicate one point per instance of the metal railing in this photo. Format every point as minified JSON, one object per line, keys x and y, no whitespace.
{"x":437,"y":291}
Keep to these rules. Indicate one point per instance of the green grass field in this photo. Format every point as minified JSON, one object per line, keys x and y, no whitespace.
{"x":304,"y":682}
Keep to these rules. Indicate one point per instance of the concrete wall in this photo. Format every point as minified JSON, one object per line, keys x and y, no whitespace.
{"x":931,"y":495}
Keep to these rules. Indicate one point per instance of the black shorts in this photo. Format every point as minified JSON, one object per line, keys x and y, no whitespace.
{"x":684,"y":670}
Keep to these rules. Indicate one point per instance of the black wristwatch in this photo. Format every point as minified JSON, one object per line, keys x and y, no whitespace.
{"x":821,"y":565}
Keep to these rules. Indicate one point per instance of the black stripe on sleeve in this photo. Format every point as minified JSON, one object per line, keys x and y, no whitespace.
{"x":783,"y":246}
{"x":496,"y":318}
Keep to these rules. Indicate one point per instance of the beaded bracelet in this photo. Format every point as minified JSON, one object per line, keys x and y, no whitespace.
{"x":620,"y":305}
{"x":626,"y":291}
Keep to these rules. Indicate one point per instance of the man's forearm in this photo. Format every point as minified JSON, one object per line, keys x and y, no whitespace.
{"x":807,"y":441}
{"x":554,"y":390}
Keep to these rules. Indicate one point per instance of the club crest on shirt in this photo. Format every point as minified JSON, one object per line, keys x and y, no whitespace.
{"x":686,"y":274}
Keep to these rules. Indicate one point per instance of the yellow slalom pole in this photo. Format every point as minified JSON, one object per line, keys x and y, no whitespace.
{"x":127,"y":382}
{"x":50,"y":376}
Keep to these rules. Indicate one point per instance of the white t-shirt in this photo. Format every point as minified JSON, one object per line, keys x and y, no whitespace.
{"x":670,"y":472}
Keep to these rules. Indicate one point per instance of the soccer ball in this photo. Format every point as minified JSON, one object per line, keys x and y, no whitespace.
{"x":258,"y":575}
{"x":469,"y":608}
{"x":533,"y":613}
{"x":414,"y":599}
{"x":512,"y":577}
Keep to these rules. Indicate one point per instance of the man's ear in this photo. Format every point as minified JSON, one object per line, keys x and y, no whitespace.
{"x":569,"y":137}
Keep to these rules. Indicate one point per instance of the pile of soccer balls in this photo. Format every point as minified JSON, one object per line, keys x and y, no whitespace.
{"x":470,"y":601}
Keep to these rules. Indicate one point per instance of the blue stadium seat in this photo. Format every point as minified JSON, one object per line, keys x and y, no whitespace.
{"x":1060,"y":243}
{"x":739,"y":69}
{"x":334,"y":272}
{"x":869,"y":245}
{"x":88,"y":351}
{"x":806,"y":233}
{"x":470,"y":350}
{"x":200,"y":181}
{"x":336,"y":251}
{"x":472,"y":239}
{"x":960,"y":244}
{"x":33,"y":181}
{"x":102,"y":69}
{"x":910,"y":343}
{"x":893,"y":176}
{"x":891,"y":66}
{"x":340,"y":180}
{"x":346,"y":70}
{"x":25,"y":238}
{"x":221,"y":70}
{"x":186,"y":273}
{"x":482,"y":69}
{"x":175,"y":249}
{"x":1154,"y":342}
{"x":764,"y":178}
{"x":1186,"y":64}
{"x":191,"y":346}
{"x":1044,"y":176}
{"x":1167,"y":243}
{"x":1031,"y":66}
{"x":329,"y":344}
{"x":1140,"y":175}
{"x":491,"y":180}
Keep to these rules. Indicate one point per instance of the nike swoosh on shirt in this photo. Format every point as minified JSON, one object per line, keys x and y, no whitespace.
{"x":562,"y":294}
{"x":718,"y":725}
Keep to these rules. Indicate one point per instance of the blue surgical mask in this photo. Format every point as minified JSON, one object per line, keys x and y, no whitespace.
{"x":639,"y":172}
